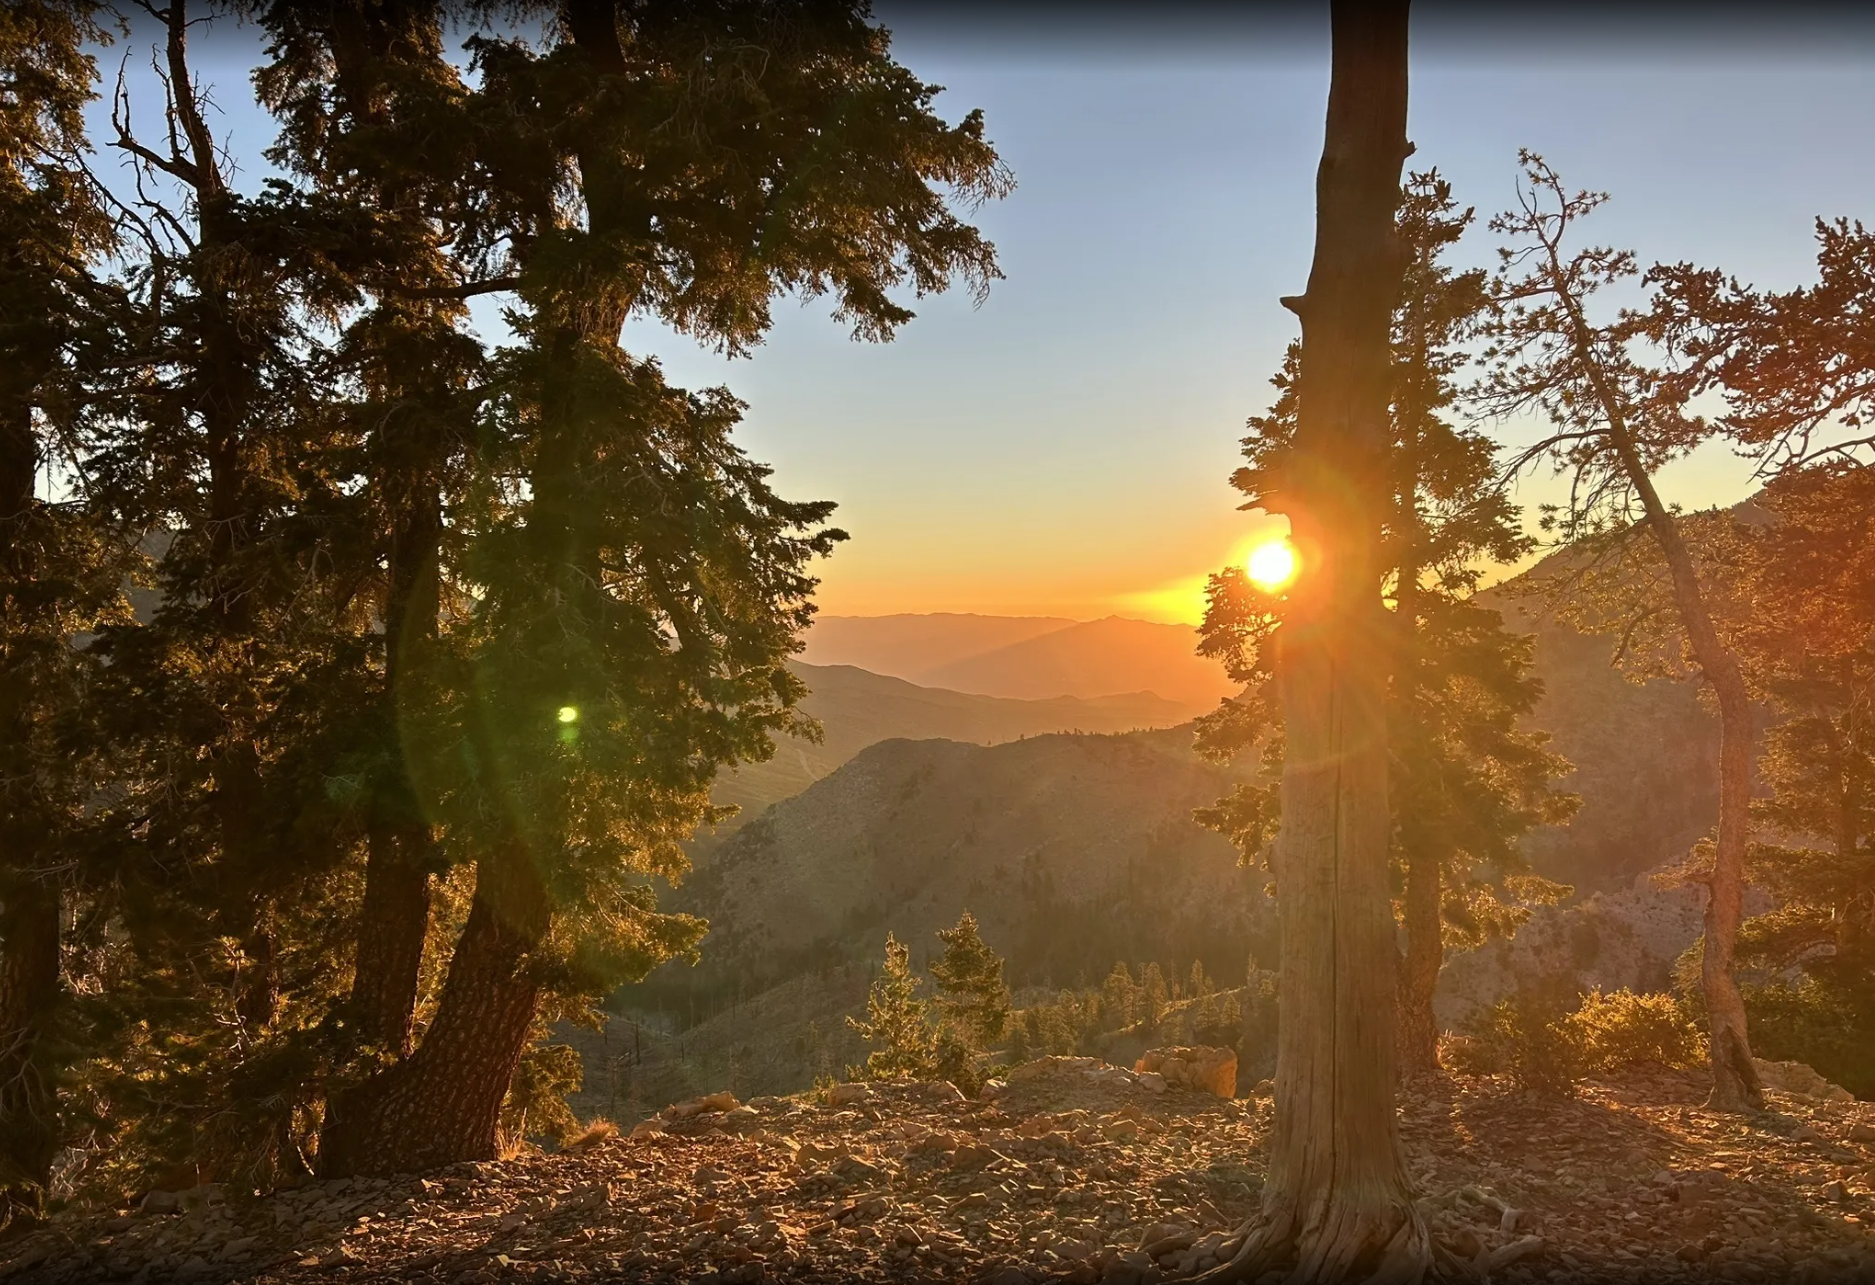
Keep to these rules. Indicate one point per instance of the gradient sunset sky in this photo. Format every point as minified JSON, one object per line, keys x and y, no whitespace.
{"x":1063,"y":450}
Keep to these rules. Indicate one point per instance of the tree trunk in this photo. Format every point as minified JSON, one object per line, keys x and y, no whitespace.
{"x":29,"y":996}
{"x":1336,"y":1205}
{"x":1735,"y":1083}
{"x":1418,"y":1044}
{"x":442,"y":1104}
{"x":392,"y":925}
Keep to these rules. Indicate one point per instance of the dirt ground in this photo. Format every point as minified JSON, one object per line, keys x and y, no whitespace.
{"x":1078,"y":1172}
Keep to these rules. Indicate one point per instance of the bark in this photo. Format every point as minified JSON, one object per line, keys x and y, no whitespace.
{"x":442,"y":1104}
{"x":29,"y":996}
{"x":1417,"y":1045}
{"x":393,"y":922}
{"x":1735,"y":1083}
{"x":1337,"y":1205}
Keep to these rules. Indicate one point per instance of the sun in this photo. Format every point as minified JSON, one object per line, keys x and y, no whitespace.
{"x":1272,"y":564}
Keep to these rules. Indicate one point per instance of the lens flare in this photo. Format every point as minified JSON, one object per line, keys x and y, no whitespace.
{"x":1272,"y":564}
{"x":569,"y":714}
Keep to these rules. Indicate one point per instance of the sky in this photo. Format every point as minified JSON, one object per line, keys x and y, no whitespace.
{"x":1064,"y":449}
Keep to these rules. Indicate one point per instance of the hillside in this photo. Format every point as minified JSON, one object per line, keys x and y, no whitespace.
{"x":1110,"y":655}
{"x":857,"y":709}
{"x":1072,"y":850}
{"x":911,"y":645}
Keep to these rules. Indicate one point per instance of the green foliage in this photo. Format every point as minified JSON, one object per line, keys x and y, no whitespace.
{"x":1467,"y":781}
{"x":898,"y":1023}
{"x":1545,"y":1041}
{"x":1526,"y":1037}
{"x":1818,"y":1019}
{"x":1624,"y":1028}
{"x":972,"y":995}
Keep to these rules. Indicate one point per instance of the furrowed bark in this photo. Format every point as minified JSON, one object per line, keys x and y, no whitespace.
{"x":1336,"y":1205}
{"x":442,"y":1104}
{"x":393,"y":921}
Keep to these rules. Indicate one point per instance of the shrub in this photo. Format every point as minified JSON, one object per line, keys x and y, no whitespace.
{"x":1526,"y":1037}
{"x":1623,"y":1028}
{"x":1826,"y":1021}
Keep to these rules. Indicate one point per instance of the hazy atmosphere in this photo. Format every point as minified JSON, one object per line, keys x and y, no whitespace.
{"x":778,"y":642}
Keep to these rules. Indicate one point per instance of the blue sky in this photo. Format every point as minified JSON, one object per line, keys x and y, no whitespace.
{"x":1064,"y":448}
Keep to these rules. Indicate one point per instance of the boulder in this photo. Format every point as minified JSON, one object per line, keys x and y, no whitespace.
{"x":1805,"y":1081}
{"x":848,"y":1095}
{"x":1205,"y":1067}
{"x":1051,"y":1066}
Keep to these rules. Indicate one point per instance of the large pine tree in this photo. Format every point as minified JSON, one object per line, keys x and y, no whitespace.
{"x":60,"y":568}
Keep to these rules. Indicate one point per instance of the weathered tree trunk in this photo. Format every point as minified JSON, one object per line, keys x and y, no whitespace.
{"x":1417,"y":1046}
{"x":1336,"y":1205}
{"x":442,"y":1104}
{"x":392,"y":924}
{"x":1735,"y":1083}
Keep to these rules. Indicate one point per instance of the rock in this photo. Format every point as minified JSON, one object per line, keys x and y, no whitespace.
{"x":1203,"y":1067}
{"x":1796,"y":1077}
{"x":993,"y":1089}
{"x":647,"y":1128}
{"x":851,"y":1094}
{"x":1054,"y":1065}
{"x":160,"y":1202}
{"x":1862,"y":1133}
{"x":1835,"y":1191}
{"x":1152,"y":1081}
{"x":709,"y":1104}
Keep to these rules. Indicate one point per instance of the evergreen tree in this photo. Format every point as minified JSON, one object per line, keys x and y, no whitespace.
{"x":1119,"y":997}
{"x":1154,"y":996}
{"x":635,"y":601}
{"x":972,"y":994}
{"x":898,"y":1023}
{"x":1613,"y":421}
{"x":1807,"y":636}
{"x":60,"y":567}
{"x":1465,"y":784}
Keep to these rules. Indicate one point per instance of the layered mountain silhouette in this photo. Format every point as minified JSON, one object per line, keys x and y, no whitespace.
{"x":857,"y":708}
{"x":1025,"y":658}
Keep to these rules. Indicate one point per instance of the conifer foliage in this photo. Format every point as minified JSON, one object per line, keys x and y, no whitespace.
{"x":1466,"y":783}
{"x":445,"y":630}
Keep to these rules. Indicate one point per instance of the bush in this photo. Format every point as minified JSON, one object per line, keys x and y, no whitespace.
{"x":1624,"y":1028}
{"x":1526,"y":1037}
{"x":1825,"y":1021}
{"x":1534,"y":1038}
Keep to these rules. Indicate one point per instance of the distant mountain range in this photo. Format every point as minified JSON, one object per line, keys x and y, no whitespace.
{"x":857,"y":708}
{"x":1024,"y":658}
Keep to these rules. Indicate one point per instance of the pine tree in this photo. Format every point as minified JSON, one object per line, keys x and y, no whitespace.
{"x":60,"y":567}
{"x":1120,"y":997}
{"x":898,"y":1023}
{"x":1465,"y":784}
{"x":1614,"y":420}
{"x":635,"y":604}
{"x":1807,"y":635}
{"x":972,"y":994}
{"x":1154,"y":996}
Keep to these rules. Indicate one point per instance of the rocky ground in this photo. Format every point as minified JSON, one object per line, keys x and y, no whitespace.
{"x":1074,"y":1172}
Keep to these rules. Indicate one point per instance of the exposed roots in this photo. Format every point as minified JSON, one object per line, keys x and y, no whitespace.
{"x":1342,"y":1244}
